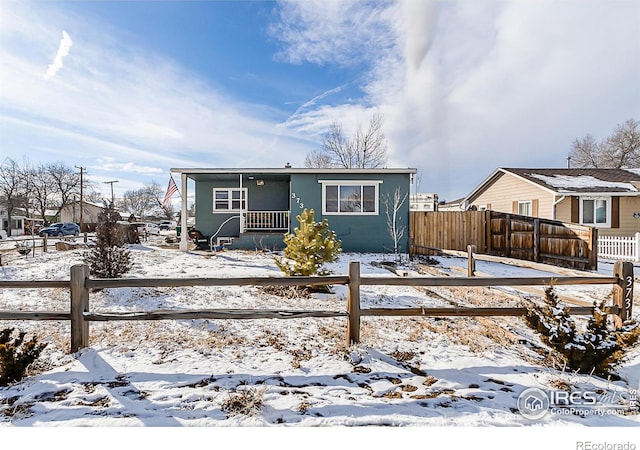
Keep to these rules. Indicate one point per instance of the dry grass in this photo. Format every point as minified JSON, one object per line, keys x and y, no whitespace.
{"x":244,"y":400}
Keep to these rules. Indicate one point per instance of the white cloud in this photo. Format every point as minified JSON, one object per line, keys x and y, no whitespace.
{"x":63,"y":50}
{"x":108,"y":165}
{"x":466,"y":87}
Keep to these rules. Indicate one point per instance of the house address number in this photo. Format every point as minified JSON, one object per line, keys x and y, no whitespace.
{"x":628,"y":292}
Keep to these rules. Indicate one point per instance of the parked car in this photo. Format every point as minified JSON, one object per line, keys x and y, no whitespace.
{"x":168,"y":225}
{"x":145,"y":229}
{"x":152,"y":228}
{"x":61,"y":229}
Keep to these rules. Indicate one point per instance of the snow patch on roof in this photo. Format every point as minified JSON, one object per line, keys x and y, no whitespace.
{"x":581,"y":182}
{"x":636,"y":171}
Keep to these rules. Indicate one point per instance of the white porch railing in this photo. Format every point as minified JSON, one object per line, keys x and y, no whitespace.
{"x":266,"y":221}
{"x":619,"y":247}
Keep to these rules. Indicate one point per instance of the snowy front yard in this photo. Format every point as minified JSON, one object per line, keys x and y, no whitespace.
{"x":435,"y":372}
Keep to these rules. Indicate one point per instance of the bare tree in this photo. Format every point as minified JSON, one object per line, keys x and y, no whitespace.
{"x":43,"y":191}
{"x":66,"y":183}
{"x":317,"y":158}
{"x":367,"y":149}
{"x":585,"y":152}
{"x":11,"y":195}
{"x":619,"y":150}
{"x":156,"y":193}
{"x":393,"y":203}
{"x":146,"y":201}
{"x":623,"y":146}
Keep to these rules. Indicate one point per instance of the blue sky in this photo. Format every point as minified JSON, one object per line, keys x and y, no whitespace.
{"x":131,"y":89}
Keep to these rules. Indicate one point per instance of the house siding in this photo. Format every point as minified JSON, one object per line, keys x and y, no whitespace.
{"x":507,"y":189}
{"x":366,"y":233}
{"x":272,"y":196}
{"x":628,"y":225}
{"x":297,"y":191}
{"x":563,"y":210}
{"x":90,"y":213}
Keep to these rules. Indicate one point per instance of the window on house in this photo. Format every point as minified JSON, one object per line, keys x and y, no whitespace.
{"x":525,"y":208}
{"x":232,"y":199}
{"x":350,"y":198}
{"x":595,"y":211}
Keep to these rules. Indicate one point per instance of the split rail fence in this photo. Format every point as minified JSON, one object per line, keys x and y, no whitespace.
{"x":80,"y":285}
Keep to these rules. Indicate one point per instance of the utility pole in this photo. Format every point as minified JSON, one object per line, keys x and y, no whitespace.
{"x":112,"y":197}
{"x":81,"y":194}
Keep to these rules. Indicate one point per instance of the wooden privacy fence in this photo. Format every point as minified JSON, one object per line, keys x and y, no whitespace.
{"x":80,"y":285}
{"x":509,"y":235}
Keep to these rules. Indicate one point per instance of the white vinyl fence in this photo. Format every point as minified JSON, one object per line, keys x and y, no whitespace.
{"x":619,"y":247}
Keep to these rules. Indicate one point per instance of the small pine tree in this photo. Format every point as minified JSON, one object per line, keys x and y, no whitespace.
{"x":309,"y":247}
{"x":16,"y":356}
{"x":599,"y":349}
{"x":110,"y":258}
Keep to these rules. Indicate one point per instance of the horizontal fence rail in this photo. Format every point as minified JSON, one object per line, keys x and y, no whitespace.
{"x":80,"y":286}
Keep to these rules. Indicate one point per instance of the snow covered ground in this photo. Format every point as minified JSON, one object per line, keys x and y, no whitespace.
{"x":441,"y":373}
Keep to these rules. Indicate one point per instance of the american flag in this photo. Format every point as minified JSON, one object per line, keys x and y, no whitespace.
{"x":172,"y":189}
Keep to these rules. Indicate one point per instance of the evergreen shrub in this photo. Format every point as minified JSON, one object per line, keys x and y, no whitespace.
{"x":109,"y":258}
{"x":309,"y":247}
{"x":16,"y":355}
{"x":598,"y":349}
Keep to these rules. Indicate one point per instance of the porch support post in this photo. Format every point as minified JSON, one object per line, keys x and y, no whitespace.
{"x":242,"y":210}
{"x":184,"y":234}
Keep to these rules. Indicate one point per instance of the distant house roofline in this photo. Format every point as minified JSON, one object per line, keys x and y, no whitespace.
{"x":562,"y":181}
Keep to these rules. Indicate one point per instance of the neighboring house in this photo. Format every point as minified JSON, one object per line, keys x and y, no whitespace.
{"x":90,"y":211}
{"x":423,"y":202}
{"x":254,"y":208}
{"x":454,"y":205}
{"x":16,"y":228}
{"x":608,"y":199}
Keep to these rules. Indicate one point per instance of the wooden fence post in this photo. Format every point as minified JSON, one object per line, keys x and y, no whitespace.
{"x":536,"y":240}
{"x":44,"y":243}
{"x":471,"y":262}
{"x":507,"y":243}
{"x":79,"y":305}
{"x":623,"y":292}
{"x":593,"y":249}
{"x":353,"y":304}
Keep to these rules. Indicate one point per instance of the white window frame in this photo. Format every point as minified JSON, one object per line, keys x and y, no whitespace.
{"x":529,"y":204}
{"x":372,"y":183}
{"x":607,"y":200}
{"x":243,"y":200}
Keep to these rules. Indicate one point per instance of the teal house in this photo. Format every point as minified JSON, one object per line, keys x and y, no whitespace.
{"x":255,"y":208}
